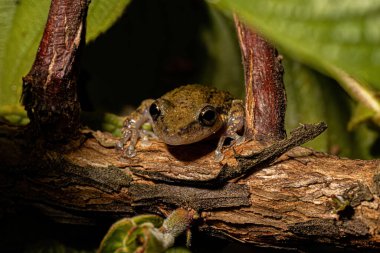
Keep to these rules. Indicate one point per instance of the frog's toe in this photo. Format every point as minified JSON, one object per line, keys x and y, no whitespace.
{"x":239,"y":140}
{"x":218,"y":156}
{"x":145,"y":142}
{"x":119,"y":145}
{"x":130,"y":152}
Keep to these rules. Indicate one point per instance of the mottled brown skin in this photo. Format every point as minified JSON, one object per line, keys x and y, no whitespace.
{"x":179,"y":118}
{"x":180,"y":107}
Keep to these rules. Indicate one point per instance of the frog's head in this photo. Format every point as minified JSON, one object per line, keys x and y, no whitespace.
{"x":184,"y":123}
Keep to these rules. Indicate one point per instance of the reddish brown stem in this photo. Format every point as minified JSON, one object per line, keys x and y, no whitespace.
{"x":265,"y":97}
{"x":50,"y":88}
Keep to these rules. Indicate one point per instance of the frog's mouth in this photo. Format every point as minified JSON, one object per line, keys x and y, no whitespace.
{"x":177,"y":141}
{"x":189,"y":135}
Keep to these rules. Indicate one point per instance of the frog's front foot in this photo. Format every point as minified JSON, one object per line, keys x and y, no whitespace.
{"x":133,"y":130}
{"x":131,"y":135}
{"x":236,"y":140}
{"x":130,"y":152}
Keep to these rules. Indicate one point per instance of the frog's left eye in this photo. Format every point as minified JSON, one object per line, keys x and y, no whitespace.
{"x":154,"y":111}
{"x":207,"y":116}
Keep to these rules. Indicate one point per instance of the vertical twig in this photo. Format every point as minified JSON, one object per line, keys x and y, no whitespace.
{"x":265,"y":100}
{"x":50,"y":88}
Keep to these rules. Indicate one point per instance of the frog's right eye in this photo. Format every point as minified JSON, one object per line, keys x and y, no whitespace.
{"x":207,"y":116}
{"x":154,"y":111}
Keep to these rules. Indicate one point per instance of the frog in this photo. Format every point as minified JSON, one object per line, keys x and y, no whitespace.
{"x":185,"y":115}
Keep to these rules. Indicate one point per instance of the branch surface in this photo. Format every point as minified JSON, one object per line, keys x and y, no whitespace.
{"x":302,"y":196}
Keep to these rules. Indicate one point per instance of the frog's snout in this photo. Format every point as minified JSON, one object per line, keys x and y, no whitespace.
{"x":192,"y":133}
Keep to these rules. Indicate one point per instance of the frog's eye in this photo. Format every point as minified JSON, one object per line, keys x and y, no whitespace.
{"x":208,"y":116}
{"x":154,"y":111}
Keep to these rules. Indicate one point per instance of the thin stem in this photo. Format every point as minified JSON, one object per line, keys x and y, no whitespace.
{"x":50,"y":88}
{"x":356,"y":90}
{"x":265,"y":99}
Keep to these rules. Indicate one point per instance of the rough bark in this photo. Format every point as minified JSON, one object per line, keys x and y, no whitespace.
{"x":302,"y":196}
{"x":50,"y":87}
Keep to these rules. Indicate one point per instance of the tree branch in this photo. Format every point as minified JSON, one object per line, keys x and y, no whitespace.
{"x":291,"y":201}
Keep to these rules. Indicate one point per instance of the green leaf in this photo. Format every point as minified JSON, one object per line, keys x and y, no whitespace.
{"x":321,"y":33}
{"x":22,"y":23}
{"x":361,"y":114}
{"x":15,"y":114}
{"x":138,"y":234}
{"x":312,"y":98}
{"x":305,"y":101}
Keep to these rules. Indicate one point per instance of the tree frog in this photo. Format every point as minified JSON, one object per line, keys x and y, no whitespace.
{"x":186,"y":115}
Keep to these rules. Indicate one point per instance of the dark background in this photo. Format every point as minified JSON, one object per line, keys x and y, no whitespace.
{"x":154,"y":47}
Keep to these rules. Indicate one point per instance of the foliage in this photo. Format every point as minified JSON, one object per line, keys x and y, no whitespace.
{"x":322,"y":33}
{"x":339,"y":39}
{"x":147,"y":233}
{"x":136,"y":234}
{"x":312,"y":97}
